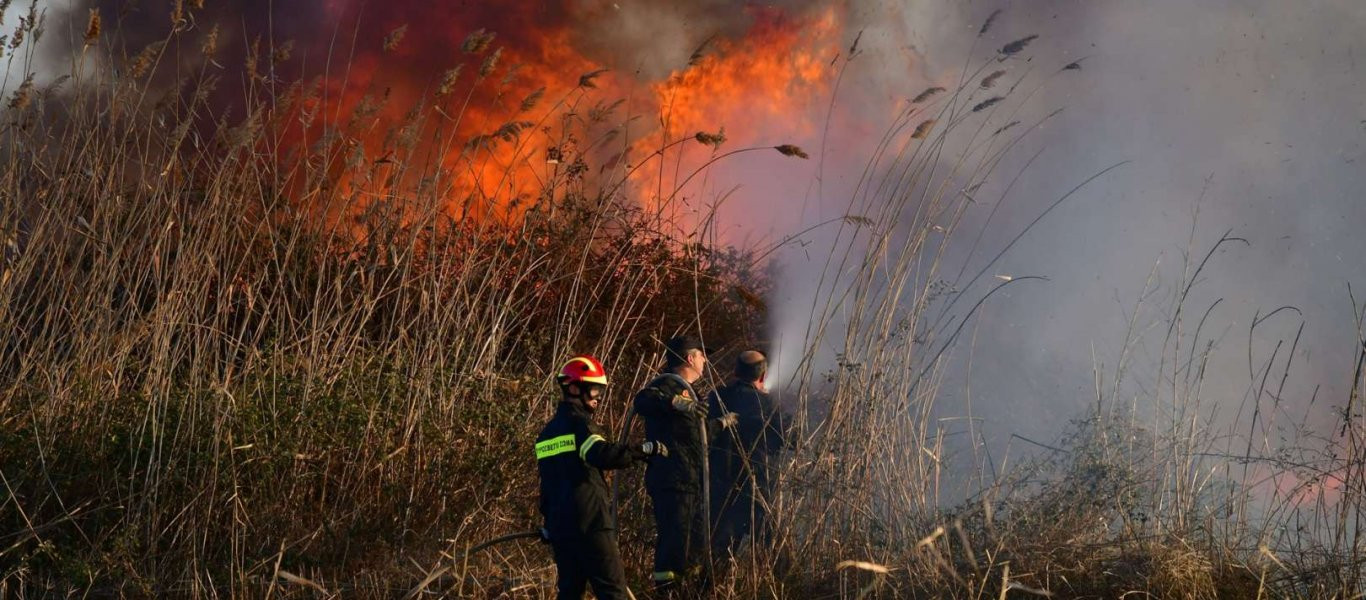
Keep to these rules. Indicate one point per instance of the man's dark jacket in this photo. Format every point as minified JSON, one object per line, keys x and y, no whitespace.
{"x":680,"y":431}
{"x":571,"y":455}
{"x":744,"y":451}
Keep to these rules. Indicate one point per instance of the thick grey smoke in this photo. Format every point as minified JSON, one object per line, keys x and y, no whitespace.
{"x":1254,"y":106}
{"x":1262,"y":100}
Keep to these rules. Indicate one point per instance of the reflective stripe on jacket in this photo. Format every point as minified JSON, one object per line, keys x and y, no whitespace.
{"x":570,"y":456}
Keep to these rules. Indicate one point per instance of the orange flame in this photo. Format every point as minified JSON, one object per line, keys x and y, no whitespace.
{"x":762,"y":90}
{"x":500,"y":141}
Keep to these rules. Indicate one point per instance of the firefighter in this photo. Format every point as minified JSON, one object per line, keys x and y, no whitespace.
{"x":674,"y":415}
{"x":739,"y":458}
{"x":575,"y":501}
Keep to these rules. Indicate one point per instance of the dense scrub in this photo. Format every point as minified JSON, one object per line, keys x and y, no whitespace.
{"x":243,"y":357}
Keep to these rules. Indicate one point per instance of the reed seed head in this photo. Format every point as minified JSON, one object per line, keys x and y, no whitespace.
{"x":1016,"y":46}
{"x":23,"y":96}
{"x":988,"y":103}
{"x":530,"y":101}
{"x":925,"y":95}
{"x":986,"y":26}
{"x":700,"y":52}
{"x":281,"y":53}
{"x":923,"y":129}
{"x":252,"y":57}
{"x":210,"y":43}
{"x":990,"y":80}
{"x":712,"y":139}
{"x":586,"y":80}
{"x":490,"y":62}
{"x":391,"y":41}
{"x":92,"y":27}
{"x":142,"y":63}
{"x":477,"y":41}
{"x":448,"y":80}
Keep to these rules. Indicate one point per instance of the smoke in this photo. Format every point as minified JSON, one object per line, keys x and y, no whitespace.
{"x":32,"y":58}
{"x":1252,"y":105}
{"x":654,"y":38}
{"x":1234,"y":116}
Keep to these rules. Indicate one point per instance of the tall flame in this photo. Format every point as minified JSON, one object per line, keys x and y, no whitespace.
{"x":761,"y":90}
{"x":497,"y":131}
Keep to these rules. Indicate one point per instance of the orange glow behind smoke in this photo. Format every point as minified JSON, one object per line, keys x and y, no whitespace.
{"x":764,"y":89}
{"x":760,"y":87}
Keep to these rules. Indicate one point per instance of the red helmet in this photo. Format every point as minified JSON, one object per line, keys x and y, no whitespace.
{"x":582,"y":369}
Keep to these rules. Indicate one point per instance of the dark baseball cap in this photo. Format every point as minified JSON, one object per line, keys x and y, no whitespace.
{"x":678,"y":347}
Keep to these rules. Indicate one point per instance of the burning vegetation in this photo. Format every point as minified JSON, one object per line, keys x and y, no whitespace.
{"x":293,"y":335}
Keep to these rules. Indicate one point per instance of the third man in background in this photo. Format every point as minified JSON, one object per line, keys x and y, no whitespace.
{"x":741,"y":477}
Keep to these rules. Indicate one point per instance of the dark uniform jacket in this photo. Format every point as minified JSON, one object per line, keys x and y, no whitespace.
{"x":744,"y":450}
{"x":680,"y":431}
{"x":571,"y":455}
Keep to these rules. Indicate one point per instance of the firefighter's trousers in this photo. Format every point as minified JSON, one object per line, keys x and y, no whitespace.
{"x":680,"y":538}
{"x":590,"y":559}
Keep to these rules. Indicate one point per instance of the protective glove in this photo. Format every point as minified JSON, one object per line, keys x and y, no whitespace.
{"x":652,"y":449}
{"x":728,"y":420}
{"x":684,"y":404}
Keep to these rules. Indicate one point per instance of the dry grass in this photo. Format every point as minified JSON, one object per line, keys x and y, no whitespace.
{"x":238,"y":362}
{"x":240,"y":365}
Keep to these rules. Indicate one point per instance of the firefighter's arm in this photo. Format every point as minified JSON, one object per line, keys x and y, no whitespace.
{"x":720,"y":417}
{"x":652,"y":403}
{"x":602,"y":454}
{"x":719,"y":424}
{"x":665,"y":398}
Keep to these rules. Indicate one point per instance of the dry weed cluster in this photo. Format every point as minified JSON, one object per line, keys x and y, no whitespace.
{"x":269,"y":351}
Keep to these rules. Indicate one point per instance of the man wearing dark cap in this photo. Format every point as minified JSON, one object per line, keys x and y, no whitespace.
{"x":739,"y":457}
{"x":675,"y":416}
